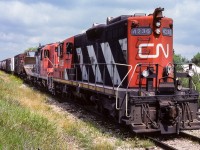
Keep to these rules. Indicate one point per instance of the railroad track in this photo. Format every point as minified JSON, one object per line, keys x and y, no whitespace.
{"x":190,"y":137}
{"x":182,"y":135}
{"x":160,"y":144}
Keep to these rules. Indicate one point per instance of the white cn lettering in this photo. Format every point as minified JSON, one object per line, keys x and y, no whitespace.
{"x":158,"y":47}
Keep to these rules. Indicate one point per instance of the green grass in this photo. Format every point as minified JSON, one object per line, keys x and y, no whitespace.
{"x":196,"y":82}
{"x":21,"y":129}
{"x":28,"y":121}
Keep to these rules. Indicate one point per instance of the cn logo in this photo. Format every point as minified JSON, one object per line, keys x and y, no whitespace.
{"x":159,"y":47}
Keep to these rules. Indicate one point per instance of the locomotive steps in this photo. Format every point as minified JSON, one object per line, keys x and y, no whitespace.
{"x":31,"y":120}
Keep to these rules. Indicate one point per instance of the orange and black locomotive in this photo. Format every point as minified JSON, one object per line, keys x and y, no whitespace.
{"x":124,"y":69}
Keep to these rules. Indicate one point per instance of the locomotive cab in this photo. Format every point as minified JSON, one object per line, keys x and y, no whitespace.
{"x":65,"y":69}
{"x":150,"y":47}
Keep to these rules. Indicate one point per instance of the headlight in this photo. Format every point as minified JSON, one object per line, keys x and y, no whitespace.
{"x":169,"y":70}
{"x":158,"y":24}
{"x":179,"y":87}
{"x":190,"y":73}
{"x":157,"y":31}
{"x":145,"y":73}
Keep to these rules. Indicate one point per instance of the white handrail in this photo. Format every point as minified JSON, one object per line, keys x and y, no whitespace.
{"x":51,"y":62}
{"x":117,"y":90}
{"x":127,"y":88}
{"x":133,"y":74}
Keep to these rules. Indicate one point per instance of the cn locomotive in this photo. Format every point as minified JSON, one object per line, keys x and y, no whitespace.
{"x":123,"y":69}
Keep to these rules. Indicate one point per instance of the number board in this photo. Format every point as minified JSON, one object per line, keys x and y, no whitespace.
{"x":141,"y":31}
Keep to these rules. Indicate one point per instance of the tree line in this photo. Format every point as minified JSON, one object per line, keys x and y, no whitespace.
{"x":178,"y":59}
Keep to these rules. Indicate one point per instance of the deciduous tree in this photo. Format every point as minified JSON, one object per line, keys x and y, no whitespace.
{"x":196,"y":59}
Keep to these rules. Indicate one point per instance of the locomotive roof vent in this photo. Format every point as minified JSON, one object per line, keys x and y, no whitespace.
{"x":111,"y":20}
{"x":96,"y":24}
{"x":139,"y":14}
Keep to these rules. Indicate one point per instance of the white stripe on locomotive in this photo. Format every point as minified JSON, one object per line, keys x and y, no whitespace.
{"x":110,"y":60}
{"x":82,"y":66}
{"x":94,"y":63}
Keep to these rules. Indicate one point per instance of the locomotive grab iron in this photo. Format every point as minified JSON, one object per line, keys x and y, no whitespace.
{"x":123,"y":68}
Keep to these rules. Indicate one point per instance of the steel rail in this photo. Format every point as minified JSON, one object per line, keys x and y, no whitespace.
{"x":160,"y":143}
{"x":190,"y":137}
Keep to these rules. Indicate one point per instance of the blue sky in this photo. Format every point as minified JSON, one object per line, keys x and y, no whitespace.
{"x":26,"y":23}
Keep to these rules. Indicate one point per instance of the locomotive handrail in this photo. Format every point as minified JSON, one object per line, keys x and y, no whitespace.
{"x":94,"y":66}
{"x":50,"y":62}
{"x":117,"y":90}
{"x":195,"y":69}
{"x":132,"y":75}
{"x":127,"y":88}
{"x":105,"y":64}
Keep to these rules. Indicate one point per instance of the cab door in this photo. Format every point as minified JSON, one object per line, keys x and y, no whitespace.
{"x":44,"y":62}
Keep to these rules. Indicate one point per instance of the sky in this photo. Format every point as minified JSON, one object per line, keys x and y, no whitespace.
{"x":26,"y":23}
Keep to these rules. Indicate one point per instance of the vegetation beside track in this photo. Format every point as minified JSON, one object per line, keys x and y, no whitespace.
{"x":28,"y":121}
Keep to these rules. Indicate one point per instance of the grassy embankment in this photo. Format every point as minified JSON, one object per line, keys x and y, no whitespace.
{"x":27,"y":121}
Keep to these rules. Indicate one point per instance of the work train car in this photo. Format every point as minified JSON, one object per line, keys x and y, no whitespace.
{"x":124,"y":69}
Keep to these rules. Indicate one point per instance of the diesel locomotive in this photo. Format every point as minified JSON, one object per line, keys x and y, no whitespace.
{"x":123,"y":69}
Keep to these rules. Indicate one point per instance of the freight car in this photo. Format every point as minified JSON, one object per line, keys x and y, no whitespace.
{"x":7,"y":65}
{"x":10,"y":65}
{"x":123,"y":69}
{"x":3,"y":65}
{"x":19,"y":64}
